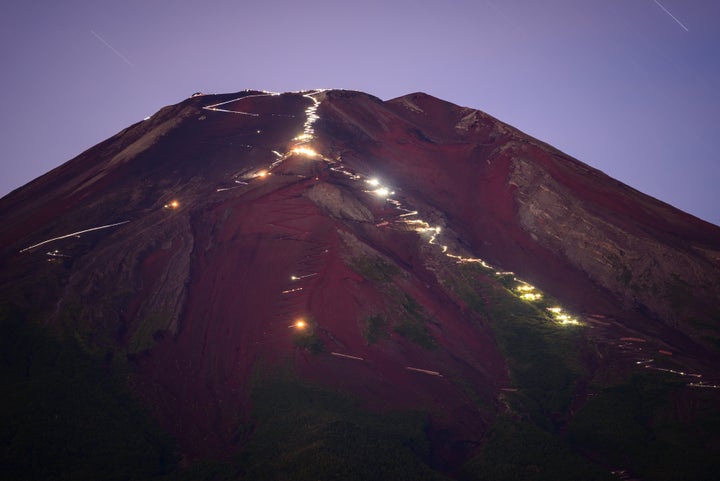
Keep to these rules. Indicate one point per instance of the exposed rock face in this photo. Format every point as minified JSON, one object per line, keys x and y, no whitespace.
{"x":339,"y":204}
{"x":678,"y":282}
{"x":187,"y":247}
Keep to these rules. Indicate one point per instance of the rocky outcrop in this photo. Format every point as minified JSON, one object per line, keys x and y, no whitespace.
{"x":339,"y":203}
{"x":672,"y":280}
{"x":190,"y":246}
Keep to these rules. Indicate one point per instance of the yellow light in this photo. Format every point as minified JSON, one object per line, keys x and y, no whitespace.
{"x":172,"y":205}
{"x":304,"y":136}
{"x":525,"y":288}
{"x":263,"y":173}
{"x":570,"y":321}
{"x":531,"y":297}
{"x":304,"y":151}
{"x":555,"y":310}
{"x":300,"y":324}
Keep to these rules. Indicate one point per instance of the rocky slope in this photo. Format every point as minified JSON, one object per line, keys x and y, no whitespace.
{"x":411,"y":253}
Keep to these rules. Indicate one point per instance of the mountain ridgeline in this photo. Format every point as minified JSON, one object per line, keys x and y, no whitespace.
{"x":325,"y":285}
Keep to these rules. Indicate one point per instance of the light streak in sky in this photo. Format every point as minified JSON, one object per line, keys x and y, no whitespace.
{"x":671,"y":15}
{"x":73,"y":234}
{"x":123,"y":57}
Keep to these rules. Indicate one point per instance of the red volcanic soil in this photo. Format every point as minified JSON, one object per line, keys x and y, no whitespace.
{"x":431,"y":153}
{"x":205,"y":296}
{"x":242,"y":305}
{"x":467,"y":179}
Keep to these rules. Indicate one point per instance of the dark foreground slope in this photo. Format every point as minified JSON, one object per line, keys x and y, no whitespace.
{"x":322,"y":285}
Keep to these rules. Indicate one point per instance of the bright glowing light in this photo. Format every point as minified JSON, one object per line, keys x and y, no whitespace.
{"x":172,"y":205}
{"x":525,"y":288}
{"x":304,"y":151}
{"x":297,"y":278}
{"x":570,"y":322}
{"x":299,"y":324}
{"x":417,"y":222}
{"x":303,"y":136}
{"x":531,"y":297}
{"x":373,"y":182}
{"x":382,"y":192}
{"x":563,"y":318}
{"x":263,"y":173}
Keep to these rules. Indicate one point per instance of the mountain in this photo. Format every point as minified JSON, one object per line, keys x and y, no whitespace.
{"x":325,"y":285}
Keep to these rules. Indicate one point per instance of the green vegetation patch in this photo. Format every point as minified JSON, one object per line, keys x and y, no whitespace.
{"x":64,"y":417}
{"x":307,"y":337}
{"x":413,"y":322}
{"x":543,"y":356}
{"x":519,"y":450}
{"x":374,"y":268}
{"x":305,"y":432}
{"x":375,"y":328}
{"x":143,"y":337}
{"x":654,"y":427}
{"x":462,"y":284}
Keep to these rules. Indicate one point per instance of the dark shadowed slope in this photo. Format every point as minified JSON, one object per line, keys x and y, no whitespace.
{"x":411,"y":254}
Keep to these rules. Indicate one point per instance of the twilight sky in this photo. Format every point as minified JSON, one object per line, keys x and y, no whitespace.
{"x":631,"y":87}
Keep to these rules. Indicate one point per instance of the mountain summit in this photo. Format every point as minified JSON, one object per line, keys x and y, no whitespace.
{"x":316,"y":284}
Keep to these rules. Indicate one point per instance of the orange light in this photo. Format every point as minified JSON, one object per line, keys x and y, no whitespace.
{"x":300,"y":324}
{"x":172,"y":205}
{"x":263,"y":173}
{"x":307,"y":151}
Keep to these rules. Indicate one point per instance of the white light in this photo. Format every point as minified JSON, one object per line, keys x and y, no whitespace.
{"x":373,"y":182}
{"x":382,"y":191}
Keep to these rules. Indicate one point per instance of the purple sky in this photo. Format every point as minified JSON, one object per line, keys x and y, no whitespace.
{"x":631,"y":87}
